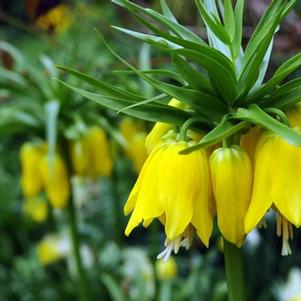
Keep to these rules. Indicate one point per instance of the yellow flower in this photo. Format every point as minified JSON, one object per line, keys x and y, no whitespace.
{"x":57,"y":19}
{"x":80,"y":156}
{"x":100,"y":159}
{"x":31,"y":183}
{"x":135,"y":136}
{"x":174,"y":188}
{"x":36,"y":208}
{"x":276,"y":182}
{"x":231,"y":177}
{"x":136,"y":150}
{"x":294,"y":116}
{"x":52,"y":248}
{"x":160,"y":129}
{"x":166,"y":270}
{"x":55,"y":180}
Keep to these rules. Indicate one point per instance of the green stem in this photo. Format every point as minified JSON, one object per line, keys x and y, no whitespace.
{"x":234,"y":272}
{"x":82,"y":281}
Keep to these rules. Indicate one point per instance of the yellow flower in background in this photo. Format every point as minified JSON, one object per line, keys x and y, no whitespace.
{"x":166,"y":270}
{"x":174,"y":188}
{"x":80,"y":159}
{"x":276,"y":182}
{"x":52,"y":248}
{"x":135,"y":136}
{"x":294,"y":116}
{"x":57,"y":19}
{"x":160,"y":129}
{"x":55,"y":180}
{"x":100,"y":158}
{"x":231,"y":177}
{"x":36,"y":208}
{"x":31,"y":182}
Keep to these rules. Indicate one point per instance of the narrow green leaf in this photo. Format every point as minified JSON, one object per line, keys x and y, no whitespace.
{"x":216,"y":27}
{"x":229,"y":18}
{"x":238,"y":13}
{"x":102,"y":85}
{"x":193,"y":77}
{"x":166,"y":11}
{"x":285,"y":96}
{"x":150,"y":112}
{"x":173,"y":26}
{"x":170,"y":75}
{"x":254,"y":114}
{"x":282,"y":72}
{"x":220,"y":132}
{"x":221,"y":77}
{"x":113,"y":287}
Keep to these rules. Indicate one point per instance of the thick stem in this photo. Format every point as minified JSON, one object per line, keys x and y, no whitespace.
{"x":234,"y":272}
{"x":76,"y":253}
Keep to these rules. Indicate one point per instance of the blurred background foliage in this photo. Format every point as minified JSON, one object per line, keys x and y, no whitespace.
{"x":36,"y":35}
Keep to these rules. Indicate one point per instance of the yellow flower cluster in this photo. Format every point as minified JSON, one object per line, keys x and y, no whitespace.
{"x":90,"y":154}
{"x":41,"y":172}
{"x":57,"y":19}
{"x":237,"y":183}
{"x":134,"y":135}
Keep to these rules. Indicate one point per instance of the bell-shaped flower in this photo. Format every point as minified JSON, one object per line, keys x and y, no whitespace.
{"x":176,"y":189}
{"x":231,"y":177}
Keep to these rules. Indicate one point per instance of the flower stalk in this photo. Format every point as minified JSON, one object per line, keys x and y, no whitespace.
{"x":234,"y":272}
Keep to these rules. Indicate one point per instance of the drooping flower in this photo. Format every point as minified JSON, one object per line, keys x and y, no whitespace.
{"x":55,"y":180}
{"x":231,"y":177}
{"x":31,"y":183}
{"x":79,"y":154}
{"x":174,"y":188}
{"x":100,"y":159}
{"x":276,"y":185}
{"x":134,"y":135}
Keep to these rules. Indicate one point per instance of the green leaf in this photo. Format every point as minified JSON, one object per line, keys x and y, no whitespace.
{"x":166,"y":11}
{"x":282,"y":72}
{"x":102,"y":85}
{"x":285,"y":96}
{"x":238,"y":13}
{"x":229,"y":18}
{"x":194,"y":78}
{"x":254,"y":114}
{"x":215,"y":26}
{"x":221,"y":76}
{"x":220,"y":132}
{"x":150,"y":112}
{"x":170,"y":75}
{"x":173,"y":26}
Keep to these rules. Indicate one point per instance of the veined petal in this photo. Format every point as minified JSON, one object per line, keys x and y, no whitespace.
{"x":261,"y":199}
{"x":148,"y":205}
{"x":179,"y":188}
{"x":231,"y":182}
{"x":132,"y":199}
{"x":202,"y":218}
{"x":286,"y":188}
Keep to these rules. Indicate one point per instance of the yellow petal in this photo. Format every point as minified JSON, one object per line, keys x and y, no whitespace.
{"x":286,"y":184}
{"x":148,"y":205}
{"x":261,"y":199}
{"x":231,"y":182}
{"x":179,"y":187}
{"x":202,"y":218}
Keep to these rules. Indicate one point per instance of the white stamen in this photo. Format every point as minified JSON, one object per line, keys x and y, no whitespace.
{"x":286,"y":249}
{"x":285,"y":229}
{"x":184,"y":240}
